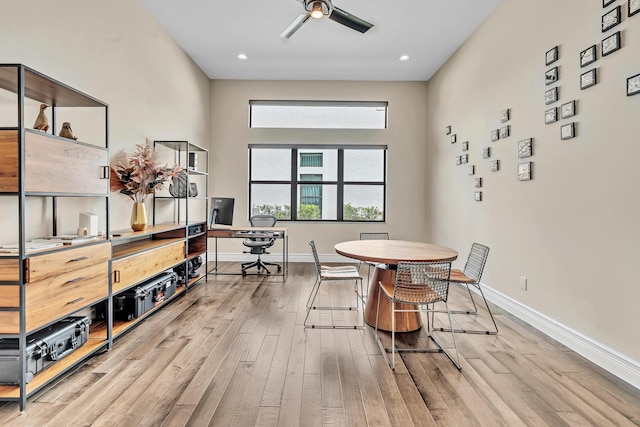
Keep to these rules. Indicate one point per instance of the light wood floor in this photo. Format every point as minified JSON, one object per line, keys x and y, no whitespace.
{"x":233,"y":352}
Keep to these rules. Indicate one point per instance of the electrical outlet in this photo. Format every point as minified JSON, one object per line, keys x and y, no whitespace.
{"x":523,"y":283}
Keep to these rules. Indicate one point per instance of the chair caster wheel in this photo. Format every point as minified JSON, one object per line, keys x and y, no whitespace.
{"x":279,"y":269}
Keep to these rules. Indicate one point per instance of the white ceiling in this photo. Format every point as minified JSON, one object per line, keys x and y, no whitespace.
{"x":214,"y":32}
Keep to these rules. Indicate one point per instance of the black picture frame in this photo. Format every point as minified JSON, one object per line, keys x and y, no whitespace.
{"x":551,"y":116}
{"x":494,"y":165}
{"x":524,"y":171}
{"x":447,"y":130}
{"x":454,"y":138}
{"x":606,"y":3}
{"x":568,"y":131}
{"x":551,"y":56}
{"x":551,"y":76}
{"x":611,"y":18}
{"x":633,"y":7}
{"x":465,"y":146}
{"x":588,"y":56}
{"x":505,"y":115}
{"x":486,"y":152}
{"x":588,"y":79}
{"x":568,"y":109}
{"x":633,"y":85}
{"x":551,"y":95}
{"x":611,"y":44}
{"x":495,"y":135}
{"x":525,"y":148}
{"x":505,"y":131}
{"x":478,"y":196}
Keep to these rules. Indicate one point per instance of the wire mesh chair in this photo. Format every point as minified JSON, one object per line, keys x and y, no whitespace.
{"x":333,"y":274}
{"x":371,"y":236}
{"x":470,"y":276}
{"x":422,"y":284}
{"x":259,"y":245}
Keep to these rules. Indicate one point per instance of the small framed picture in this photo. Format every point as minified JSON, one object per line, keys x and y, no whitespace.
{"x":611,"y":44}
{"x":504,"y":115}
{"x":551,"y":95}
{"x":458,"y":160}
{"x":453,"y":138}
{"x":611,"y":19}
{"x":550,"y":115}
{"x":471,"y":170}
{"x":551,"y":56}
{"x":633,"y":7}
{"x":551,"y":76}
{"x":504,"y":131}
{"x":447,"y":130}
{"x":568,"y":131}
{"x":478,"y":196}
{"x":633,"y":85}
{"x":588,"y":56}
{"x":588,"y":79}
{"x":524,"y":171}
{"x":606,"y":3}
{"x":464,"y":159}
{"x":494,"y":165}
{"x":525,"y":148}
{"x":465,"y":145}
{"x":568,"y":109}
{"x":495,"y":135}
{"x":486,"y":152}
{"x":478,"y":183}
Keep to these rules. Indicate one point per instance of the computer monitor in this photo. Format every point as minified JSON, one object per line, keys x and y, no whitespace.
{"x":221,"y":211}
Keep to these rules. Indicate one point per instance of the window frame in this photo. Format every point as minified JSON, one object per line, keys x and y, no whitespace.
{"x":340,"y":183}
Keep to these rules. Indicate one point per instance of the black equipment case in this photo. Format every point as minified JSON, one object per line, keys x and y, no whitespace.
{"x":44,"y":348}
{"x":133,"y":303}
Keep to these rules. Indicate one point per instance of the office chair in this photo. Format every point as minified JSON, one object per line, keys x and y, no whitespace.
{"x":471,"y":276}
{"x":259,"y":245}
{"x":332,"y":273}
{"x":422,"y":284}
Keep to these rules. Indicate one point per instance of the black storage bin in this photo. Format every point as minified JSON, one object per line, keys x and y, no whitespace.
{"x":44,"y":348}
{"x":133,"y":303}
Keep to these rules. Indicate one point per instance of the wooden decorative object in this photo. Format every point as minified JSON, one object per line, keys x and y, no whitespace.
{"x":42,"y":121}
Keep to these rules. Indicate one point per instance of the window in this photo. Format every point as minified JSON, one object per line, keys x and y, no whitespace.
{"x":323,"y":183}
{"x":318,"y":114}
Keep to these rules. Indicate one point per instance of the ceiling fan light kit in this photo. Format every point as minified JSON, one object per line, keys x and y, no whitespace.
{"x":319,"y":8}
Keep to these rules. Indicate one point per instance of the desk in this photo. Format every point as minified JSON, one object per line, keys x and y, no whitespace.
{"x":390,"y":252}
{"x":230,"y":232}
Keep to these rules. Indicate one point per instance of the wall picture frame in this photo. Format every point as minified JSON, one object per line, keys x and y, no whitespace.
{"x":606,"y":3}
{"x":453,"y":138}
{"x":477,"y":196}
{"x":486,"y":152}
{"x":465,"y":145}
{"x":494,"y":166}
{"x":458,"y":160}
{"x":525,"y":148}
{"x":504,"y":115}
{"x":495,"y":135}
{"x":611,"y":44}
{"x":633,"y":85}
{"x":447,"y":130}
{"x":588,"y":79}
{"x":550,"y":116}
{"x":471,"y":169}
{"x":551,"y":56}
{"x":524,"y":171}
{"x":611,"y":18}
{"x":505,"y":131}
{"x":464,"y":159}
{"x":568,"y":131}
{"x":478,"y":183}
{"x":568,"y":109}
{"x":633,"y":7}
{"x":588,"y":56}
{"x":551,"y":76}
{"x":551,"y":95}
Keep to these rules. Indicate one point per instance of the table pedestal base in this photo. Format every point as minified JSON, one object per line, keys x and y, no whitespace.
{"x":405,"y":321}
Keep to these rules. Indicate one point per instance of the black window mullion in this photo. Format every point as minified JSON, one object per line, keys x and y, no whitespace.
{"x":340,"y":201}
{"x":294,"y":184}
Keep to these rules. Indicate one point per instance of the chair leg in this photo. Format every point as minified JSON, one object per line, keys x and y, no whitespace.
{"x":310,"y":306}
{"x":462,"y":330}
{"x":383,"y":349}
{"x":441,"y":349}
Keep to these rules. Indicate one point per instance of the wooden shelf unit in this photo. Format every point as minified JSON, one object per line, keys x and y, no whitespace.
{"x":39,"y":288}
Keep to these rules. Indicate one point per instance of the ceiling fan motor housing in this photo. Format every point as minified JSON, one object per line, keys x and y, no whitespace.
{"x":324,"y":4}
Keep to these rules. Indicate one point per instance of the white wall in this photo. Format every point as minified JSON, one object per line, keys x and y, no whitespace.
{"x":405,"y":136}
{"x":573,"y":230}
{"x":116,"y":52}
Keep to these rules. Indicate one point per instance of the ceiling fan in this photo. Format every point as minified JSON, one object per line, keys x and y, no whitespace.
{"x":316,"y":9}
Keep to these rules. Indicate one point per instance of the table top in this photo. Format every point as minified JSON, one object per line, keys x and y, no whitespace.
{"x":393,"y":251}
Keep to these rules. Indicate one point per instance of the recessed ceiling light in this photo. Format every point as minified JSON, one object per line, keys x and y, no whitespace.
{"x":404,"y":58}
{"x":242,"y":56}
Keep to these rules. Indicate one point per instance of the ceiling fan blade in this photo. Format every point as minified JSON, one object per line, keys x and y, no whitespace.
{"x":349,"y":20}
{"x":295,"y":25}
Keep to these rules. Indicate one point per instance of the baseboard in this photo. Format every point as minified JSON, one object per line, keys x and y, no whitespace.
{"x":618,"y":364}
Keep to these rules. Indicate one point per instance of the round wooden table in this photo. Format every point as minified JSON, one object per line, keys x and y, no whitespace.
{"x":389,"y":253}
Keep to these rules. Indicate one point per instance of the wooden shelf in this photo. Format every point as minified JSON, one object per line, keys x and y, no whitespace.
{"x":139,"y":246}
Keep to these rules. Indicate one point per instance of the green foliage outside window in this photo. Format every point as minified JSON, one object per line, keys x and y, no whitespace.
{"x":312,"y":212}
{"x":368,"y":213}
